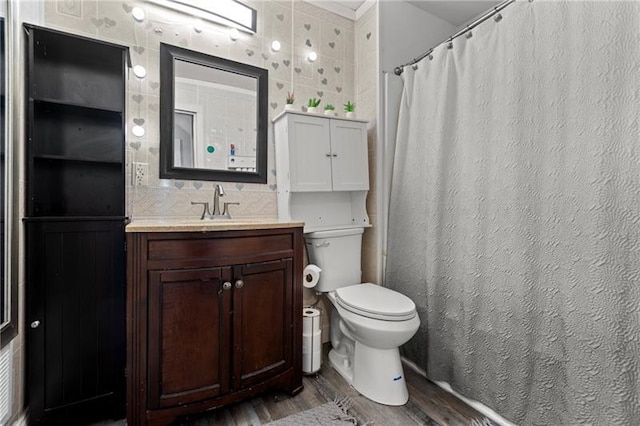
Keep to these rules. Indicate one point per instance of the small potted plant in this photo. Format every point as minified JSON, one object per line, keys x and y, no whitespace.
{"x":312,"y":105}
{"x":290,"y":100}
{"x":329,"y":110}
{"x":349,"y":109}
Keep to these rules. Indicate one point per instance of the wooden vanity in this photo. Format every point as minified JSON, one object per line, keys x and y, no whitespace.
{"x":214,"y":315}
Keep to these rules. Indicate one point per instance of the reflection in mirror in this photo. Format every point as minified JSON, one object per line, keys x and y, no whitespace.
{"x":213,"y":121}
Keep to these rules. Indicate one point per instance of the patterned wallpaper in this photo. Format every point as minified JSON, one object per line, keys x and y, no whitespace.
{"x":300,"y":27}
{"x":367,"y":94}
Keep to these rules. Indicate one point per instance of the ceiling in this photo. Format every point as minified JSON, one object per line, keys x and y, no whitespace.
{"x":453,"y":11}
{"x":456,"y":12}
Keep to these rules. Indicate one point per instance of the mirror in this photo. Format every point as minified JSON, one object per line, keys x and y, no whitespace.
{"x":213,"y":118}
{"x":8,"y":175}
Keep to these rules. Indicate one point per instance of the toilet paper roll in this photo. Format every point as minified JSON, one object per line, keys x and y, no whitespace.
{"x":310,"y":321}
{"x":311,"y":275}
{"x":311,"y":352}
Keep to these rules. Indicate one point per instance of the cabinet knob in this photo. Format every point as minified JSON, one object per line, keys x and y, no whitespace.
{"x":226,"y":285}
{"x":35,"y":324}
{"x":239,"y":284}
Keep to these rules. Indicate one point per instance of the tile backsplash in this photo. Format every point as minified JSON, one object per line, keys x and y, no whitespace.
{"x":299,"y":27}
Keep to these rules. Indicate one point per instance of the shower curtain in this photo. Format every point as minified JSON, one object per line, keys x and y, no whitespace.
{"x":515,"y":213}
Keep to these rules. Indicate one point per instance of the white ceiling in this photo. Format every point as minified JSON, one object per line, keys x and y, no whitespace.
{"x":456,"y":12}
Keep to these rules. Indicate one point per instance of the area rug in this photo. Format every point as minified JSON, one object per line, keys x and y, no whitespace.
{"x":332,"y":414}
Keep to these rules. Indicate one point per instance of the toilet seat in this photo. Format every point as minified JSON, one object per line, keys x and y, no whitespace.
{"x":376,"y":302}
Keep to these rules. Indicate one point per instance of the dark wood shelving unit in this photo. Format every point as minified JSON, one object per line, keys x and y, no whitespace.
{"x":75,"y":228}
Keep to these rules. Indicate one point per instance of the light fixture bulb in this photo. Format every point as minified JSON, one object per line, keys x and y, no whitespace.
{"x":275,"y":46}
{"x":234,"y":34}
{"x":139,"y":71}
{"x":138,"y":131}
{"x":138,"y":13}
{"x":312,"y":56}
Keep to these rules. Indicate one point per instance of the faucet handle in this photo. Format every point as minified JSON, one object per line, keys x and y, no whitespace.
{"x":225,"y":210}
{"x":205,"y":211}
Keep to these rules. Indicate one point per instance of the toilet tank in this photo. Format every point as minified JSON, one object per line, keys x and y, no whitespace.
{"x":337,"y":253}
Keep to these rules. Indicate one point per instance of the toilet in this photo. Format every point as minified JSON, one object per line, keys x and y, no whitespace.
{"x":368,"y":322}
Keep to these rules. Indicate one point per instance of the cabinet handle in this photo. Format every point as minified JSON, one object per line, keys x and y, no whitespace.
{"x":334,"y":155}
{"x":35,"y":324}
{"x":239,"y":284}
{"x":226,"y":285}
{"x":328,"y":154}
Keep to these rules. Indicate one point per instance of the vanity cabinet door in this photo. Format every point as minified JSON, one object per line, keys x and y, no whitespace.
{"x":263,"y":321}
{"x":189,"y":335}
{"x":310,"y":150}
{"x":349,"y":156}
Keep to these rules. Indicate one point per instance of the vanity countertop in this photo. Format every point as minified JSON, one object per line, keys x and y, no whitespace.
{"x":195,"y":225}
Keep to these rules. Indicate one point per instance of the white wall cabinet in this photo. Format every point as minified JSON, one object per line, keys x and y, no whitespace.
{"x":326,"y":154}
{"x":322,"y":170}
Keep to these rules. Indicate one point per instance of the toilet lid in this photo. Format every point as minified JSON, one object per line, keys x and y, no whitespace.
{"x":376,"y":302}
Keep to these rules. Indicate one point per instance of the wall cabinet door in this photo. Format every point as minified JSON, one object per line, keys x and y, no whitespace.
{"x":263,"y":321}
{"x":349,"y":156}
{"x":310,"y":163}
{"x":327,"y":154}
{"x":189,"y":335}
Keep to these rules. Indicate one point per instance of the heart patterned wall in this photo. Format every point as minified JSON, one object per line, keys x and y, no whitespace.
{"x":300,"y":28}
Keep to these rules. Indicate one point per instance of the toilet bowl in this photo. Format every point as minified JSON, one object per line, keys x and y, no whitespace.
{"x":369,"y":322}
{"x":365,"y":349}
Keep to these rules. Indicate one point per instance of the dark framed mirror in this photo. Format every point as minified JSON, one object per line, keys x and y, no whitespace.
{"x":213,"y":118}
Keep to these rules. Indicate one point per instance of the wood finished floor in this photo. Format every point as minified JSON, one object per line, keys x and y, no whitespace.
{"x":428,"y":405}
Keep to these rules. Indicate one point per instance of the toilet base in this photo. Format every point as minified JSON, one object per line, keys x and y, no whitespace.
{"x":342,"y":364}
{"x":375,"y":373}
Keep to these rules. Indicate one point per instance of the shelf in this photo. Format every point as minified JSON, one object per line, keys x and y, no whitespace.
{"x":61,"y":64}
{"x":124,"y":219}
{"x":76,"y":189}
{"x":70,"y":132}
{"x":75,"y":104}
{"x":76,"y":160}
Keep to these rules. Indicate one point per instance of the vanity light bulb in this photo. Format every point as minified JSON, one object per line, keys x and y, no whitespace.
{"x":139,"y":71}
{"x":138,"y":13}
{"x":275,"y":46}
{"x":312,"y":56}
{"x":138,"y":131}
{"x":234,"y":34}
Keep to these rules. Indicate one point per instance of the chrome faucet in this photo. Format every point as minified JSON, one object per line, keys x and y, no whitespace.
{"x":219,"y":192}
{"x":216,"y":213}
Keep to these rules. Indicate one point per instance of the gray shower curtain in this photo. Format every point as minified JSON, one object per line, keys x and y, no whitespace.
{"x":515,"y":213}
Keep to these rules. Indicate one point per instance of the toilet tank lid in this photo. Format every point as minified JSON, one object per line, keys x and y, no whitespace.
{"x":334,"y":233}
{"x":372,"y":299}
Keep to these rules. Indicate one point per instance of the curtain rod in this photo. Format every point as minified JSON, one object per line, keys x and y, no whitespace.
{"x":399,"y":69}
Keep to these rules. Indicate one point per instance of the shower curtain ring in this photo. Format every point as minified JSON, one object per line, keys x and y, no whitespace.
{"x":498,"y":17}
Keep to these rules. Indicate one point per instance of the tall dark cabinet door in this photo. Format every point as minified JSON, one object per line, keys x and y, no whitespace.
{"x":75,"y":255}
{"x":76,"y":319}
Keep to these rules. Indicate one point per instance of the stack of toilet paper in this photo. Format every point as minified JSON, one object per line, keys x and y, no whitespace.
{"x":311,"y":341}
